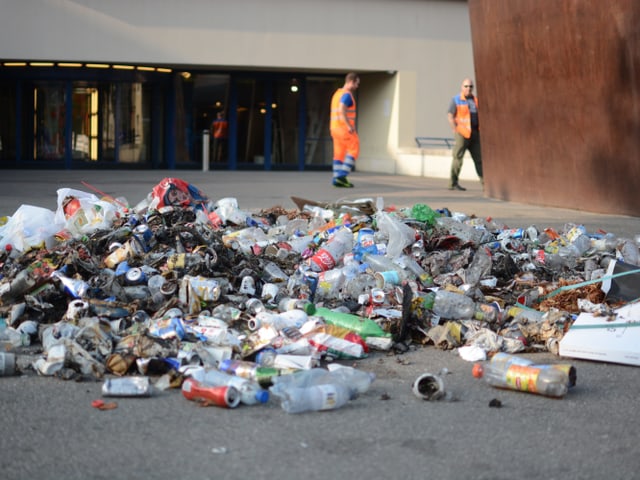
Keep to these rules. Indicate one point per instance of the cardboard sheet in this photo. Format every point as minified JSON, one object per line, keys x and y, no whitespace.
{"x":595,"y":338}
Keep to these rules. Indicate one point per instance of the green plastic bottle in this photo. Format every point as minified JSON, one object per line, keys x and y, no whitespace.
{"x":365,"y":327}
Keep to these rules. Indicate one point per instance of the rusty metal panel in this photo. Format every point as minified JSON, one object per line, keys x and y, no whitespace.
{"x":559,"y":88}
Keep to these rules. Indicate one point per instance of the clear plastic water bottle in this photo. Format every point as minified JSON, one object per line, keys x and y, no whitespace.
{"x":550,"y":382}
{"x":314,"y":398}
{"x":356,"y":381}
{"x":288,"y":303}
{"x":451,"y":305}
{"x":414,"y":267}
{"x":382,"y":263}
{"x":289,"y":318}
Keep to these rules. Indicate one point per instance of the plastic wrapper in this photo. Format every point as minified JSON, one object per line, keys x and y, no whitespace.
{"x":30,"y":227}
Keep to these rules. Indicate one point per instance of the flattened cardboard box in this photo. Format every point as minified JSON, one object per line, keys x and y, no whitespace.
{"x":594,"y":338}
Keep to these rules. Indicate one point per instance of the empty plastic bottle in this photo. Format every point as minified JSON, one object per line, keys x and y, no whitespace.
{"x":382,"y":263}
{"x":356,"y":381}
{"x":314,"y":398}
{"x":605,"y":243}
{"x":414,"y":267}
{"x":288,"y":318}
{"x":288,"y":303}
{"x":251,"y":370}
{"x":447,"y":304}
{"x":336,"y":247}
{"x":503,"y":358}
{"x":550,"y":382}
{"x":365,"y":327}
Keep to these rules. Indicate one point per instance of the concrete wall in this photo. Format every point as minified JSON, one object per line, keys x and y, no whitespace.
{"x":427,"y":42}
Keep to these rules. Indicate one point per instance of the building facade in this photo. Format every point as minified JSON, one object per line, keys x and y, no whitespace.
{"x":118,"y":84}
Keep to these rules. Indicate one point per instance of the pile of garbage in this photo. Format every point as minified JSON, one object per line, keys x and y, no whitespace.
{"x":182,"y":286}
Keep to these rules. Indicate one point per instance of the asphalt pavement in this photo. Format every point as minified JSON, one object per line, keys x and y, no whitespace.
{"x":50,"y":430}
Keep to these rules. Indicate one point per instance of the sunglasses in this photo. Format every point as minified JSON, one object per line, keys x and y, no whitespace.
{"x":468,"y":86}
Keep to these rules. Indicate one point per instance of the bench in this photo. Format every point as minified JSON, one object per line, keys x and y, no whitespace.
{"x":434,"y":142}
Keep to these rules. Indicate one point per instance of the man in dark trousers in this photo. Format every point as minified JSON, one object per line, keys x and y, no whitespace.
{"x":463,"y":118}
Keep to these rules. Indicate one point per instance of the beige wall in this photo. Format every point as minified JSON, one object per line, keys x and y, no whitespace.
{"x":428,"y":44}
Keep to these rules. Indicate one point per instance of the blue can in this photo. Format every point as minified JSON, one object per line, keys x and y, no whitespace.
{"x":142,"y":236}
{"x":135,"y":276}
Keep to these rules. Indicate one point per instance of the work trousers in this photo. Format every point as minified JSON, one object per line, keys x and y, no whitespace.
{"x":460,"y":146}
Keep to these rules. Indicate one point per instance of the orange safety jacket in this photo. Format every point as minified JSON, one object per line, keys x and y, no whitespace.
{"x":463,"y":116}
{"x":220,"y":128}
{"x":336,"y":121}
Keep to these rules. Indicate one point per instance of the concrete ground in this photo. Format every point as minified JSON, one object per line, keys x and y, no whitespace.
{"x":50,"y":431}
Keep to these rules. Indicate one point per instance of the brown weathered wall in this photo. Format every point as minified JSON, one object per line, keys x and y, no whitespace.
{"x":559,"y":89}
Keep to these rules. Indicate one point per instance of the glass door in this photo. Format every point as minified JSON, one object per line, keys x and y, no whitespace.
{"x":285,"y":124}
{"x":7,"y":123}
{"x":84,"y":124}
{"x":250,"y":115}
{"x":49,"y":121}
{"x":318,"y":145}
{"x":210,"y":103}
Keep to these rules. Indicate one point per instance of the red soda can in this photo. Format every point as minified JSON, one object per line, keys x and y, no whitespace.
{"x":220,"y":396}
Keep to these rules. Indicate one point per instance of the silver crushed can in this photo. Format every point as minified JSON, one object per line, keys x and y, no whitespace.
{"x":127,"y":387}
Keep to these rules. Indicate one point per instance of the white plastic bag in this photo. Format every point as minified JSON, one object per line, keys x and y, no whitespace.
{"x":29,"y":227}
{"x":93,"y":214}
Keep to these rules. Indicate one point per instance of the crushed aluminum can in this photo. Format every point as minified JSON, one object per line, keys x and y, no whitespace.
{"x":194,"y":291}
{"x":247,"y":285}
{"x":127,"y":387}
{"x":135,"y":276}
{"x":220,"y":396}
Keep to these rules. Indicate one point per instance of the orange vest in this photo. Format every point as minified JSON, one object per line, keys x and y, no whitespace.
{"x":463,"y":116}
{"x":220,"y":127}
{"x":336,"y":121}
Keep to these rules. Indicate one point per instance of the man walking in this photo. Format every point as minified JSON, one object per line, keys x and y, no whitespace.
{"x":346,"y":143}
{"x":463,"y":118}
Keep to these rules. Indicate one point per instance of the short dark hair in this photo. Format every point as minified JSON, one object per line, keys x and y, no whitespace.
{"x":351,"y":77}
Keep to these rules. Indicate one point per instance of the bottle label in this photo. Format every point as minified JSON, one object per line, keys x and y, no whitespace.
{"x":324,"y":260}
{"x":329,"y":397}
{"x":523,"y":378}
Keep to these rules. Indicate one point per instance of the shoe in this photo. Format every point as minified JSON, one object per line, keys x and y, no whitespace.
{"x":457,"y":187}
{"x":342,"y":182}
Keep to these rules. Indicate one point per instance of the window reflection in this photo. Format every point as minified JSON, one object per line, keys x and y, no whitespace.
{"x":7,"y":122}
{"x":48,"y":121}
{"x":135,"y":135}
{"x":84,"y":136}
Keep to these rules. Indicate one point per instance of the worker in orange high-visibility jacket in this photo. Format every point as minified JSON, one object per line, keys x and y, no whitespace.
{"x":346,"y":143}
{"x":219,"y":131}
{"x":463,"y":119}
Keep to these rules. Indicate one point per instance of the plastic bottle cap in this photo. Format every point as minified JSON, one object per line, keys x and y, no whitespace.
{"x":310,"y":308}
{"x":478,"y":370}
